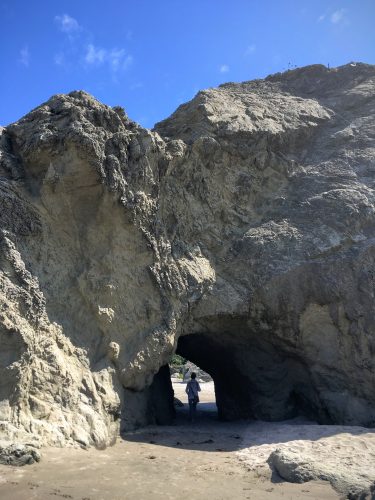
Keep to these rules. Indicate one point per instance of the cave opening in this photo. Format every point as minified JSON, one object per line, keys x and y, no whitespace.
{"x":232,"y":396}
{"x":165,"y":402}
{"x":255,"y":377}
{"x":181,"y":370}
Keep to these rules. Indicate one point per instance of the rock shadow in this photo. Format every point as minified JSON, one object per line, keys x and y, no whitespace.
{"x":208,"y":433}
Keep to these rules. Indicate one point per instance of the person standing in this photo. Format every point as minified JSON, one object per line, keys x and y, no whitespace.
{"x":192,"y":389}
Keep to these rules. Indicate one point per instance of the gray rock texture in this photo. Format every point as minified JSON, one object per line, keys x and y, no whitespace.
{"x":295,"y":468}
{"x":18,"y":455}
{"x":239,"y":233}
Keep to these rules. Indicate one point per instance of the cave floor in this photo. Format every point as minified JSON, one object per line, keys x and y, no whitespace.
{"x":194,"y":461}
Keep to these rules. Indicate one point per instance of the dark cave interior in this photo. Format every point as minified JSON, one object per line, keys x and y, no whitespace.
{"x":255,"y":378}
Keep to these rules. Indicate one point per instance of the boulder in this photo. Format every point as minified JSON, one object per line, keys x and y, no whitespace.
{"x":18,"y":455}
{"x":297,"y":468}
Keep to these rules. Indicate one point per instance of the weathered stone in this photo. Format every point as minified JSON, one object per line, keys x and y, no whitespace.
{"x":113,"y":351}
{"x":296,"y":468}
{"x":18,"y":454}
{"x":239,"y":233}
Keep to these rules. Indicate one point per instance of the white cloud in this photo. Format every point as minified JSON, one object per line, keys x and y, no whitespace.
{"x":224,"y":68}
{"x":67,"y":24}
{"x":117,"y":59}
{"x":95,"y":55}
{"x":321,"y":18}
{"x":250,"y":49}
{"x":25,"y":56}
{"x":81,"y":52}
{"x":338,"y":16}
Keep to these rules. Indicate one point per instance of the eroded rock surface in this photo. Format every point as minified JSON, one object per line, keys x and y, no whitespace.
{"x":18,"y":455}
{"x":299,"y":451}
{"x":239,"y":232}
{"x":296,"y":469}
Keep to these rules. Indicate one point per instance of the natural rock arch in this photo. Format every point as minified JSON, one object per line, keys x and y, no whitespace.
{"x":241,"y":225}
{"x":255,"y":377}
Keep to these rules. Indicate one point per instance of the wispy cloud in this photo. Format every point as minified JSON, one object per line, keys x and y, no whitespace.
{"x":117,"y":59}
{"x":94,"y":55}
{"x":224,"y":68}
{"x":67,"y":24}
{"x":136,"y":86}
{"x":81,"y":51}
{"x":25,"y":56}
{"x":338,"y":16}
{"x":250,"y":49}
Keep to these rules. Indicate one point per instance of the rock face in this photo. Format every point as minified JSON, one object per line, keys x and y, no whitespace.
{"x":239,"y":233}
{"x":355,"y":485}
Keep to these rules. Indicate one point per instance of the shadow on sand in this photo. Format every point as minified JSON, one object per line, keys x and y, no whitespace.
{"x":208,"y":433}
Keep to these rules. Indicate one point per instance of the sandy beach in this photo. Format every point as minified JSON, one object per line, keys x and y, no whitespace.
{"x":207,"y":459}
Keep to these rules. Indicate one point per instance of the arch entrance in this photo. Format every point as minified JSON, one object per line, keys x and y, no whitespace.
{"x":180,"y":375}
{"x":255,"y":377}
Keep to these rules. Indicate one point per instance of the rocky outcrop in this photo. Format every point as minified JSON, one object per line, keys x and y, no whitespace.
{"x":294,"y":468}
{"x":18,"y":455}
{"x":240,"y":232}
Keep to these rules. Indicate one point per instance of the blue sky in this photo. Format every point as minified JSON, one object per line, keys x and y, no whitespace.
{"x":150,"y":56}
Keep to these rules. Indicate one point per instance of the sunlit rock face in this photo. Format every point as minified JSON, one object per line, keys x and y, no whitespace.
{"x":240,"y":232}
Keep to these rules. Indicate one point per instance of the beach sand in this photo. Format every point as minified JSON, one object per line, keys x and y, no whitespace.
{"x":208,"y":460}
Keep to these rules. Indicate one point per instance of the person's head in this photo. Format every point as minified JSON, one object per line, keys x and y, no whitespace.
{"x":193,"y":375}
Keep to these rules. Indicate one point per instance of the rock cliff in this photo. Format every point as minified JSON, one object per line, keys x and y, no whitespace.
{"x":239,"y":233}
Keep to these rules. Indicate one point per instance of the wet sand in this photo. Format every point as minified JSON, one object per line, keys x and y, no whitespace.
{"x":194,"y":461}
